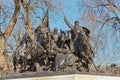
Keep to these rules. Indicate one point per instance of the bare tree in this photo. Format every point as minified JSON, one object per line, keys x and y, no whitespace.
{"x":102,"y":17}
{"x":5,"y":60}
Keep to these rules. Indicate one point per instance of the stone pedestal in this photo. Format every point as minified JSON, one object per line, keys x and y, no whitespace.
{"x":72,"y":77}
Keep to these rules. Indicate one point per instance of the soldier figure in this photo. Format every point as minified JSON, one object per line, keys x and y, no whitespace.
{"x":74,"y":29}
{"x":55,"y":35}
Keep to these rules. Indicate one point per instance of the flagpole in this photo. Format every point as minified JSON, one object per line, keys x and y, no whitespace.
{"x":49,"y":32}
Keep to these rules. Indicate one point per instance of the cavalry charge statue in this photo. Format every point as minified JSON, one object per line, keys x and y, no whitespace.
{"x":54,"y":51}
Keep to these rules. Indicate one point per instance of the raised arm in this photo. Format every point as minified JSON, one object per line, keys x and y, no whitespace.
{"x":13,"y":20}
{"x":68,"y":23}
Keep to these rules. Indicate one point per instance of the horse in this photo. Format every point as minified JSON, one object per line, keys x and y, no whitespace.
{"x":83,"y":50}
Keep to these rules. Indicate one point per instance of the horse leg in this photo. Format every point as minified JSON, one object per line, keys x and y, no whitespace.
{"x":14,"y":64}
{"x":33,"y":67}
{"x":21,"y":64}
{"x":24,"y":64}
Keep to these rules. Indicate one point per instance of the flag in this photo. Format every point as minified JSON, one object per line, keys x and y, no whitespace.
{"x":45,"y":22}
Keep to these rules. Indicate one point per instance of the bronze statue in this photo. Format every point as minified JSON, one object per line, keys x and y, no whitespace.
{"x":56,"y":51}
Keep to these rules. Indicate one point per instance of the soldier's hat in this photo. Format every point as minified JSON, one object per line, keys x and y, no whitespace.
{"x":55,"y":29}
{"x":76,"y":21}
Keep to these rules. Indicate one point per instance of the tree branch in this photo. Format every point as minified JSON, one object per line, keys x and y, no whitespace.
{"x":28,"y":24}
{"x":13,"y":20}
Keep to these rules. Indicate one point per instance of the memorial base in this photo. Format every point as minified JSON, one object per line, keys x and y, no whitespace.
{"x":71,"y":77}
